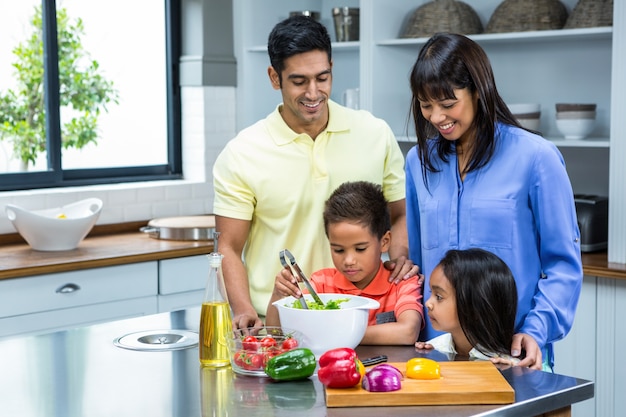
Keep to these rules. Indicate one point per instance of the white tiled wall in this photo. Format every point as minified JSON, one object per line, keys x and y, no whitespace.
{"x":208,"y":122}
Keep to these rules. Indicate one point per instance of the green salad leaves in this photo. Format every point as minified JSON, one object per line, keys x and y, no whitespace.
{"x":314,"y":305}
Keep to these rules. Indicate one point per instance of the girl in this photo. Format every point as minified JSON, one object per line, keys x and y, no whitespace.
{"x":474,"y":299}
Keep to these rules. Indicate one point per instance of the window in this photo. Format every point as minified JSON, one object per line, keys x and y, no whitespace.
{"x":89,"y":92}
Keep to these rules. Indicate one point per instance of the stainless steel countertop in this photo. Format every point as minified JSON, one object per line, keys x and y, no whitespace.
{"x":81,"y":373}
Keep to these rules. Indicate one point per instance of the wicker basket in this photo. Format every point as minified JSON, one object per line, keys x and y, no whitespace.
{"x":442,"y":16}
{"x":527,"y":15}
{"x":591,"y":13}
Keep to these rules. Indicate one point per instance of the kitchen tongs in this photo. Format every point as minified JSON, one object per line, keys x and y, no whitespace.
{"x":297,"y":272}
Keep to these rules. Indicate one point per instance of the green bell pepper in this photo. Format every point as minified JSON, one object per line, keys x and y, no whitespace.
{"x":292,"y":365}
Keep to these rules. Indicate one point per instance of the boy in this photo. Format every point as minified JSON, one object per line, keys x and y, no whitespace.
{"x":357,"y":224}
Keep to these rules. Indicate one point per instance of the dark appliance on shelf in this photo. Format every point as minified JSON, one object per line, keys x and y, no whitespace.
{"x":593,"y":221}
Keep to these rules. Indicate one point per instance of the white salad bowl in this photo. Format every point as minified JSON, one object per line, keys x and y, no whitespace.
{"x":323,"y":330}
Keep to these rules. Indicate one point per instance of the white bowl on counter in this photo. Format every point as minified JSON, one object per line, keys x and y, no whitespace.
{"x":55,"y":229}
{"x":323,"y":330}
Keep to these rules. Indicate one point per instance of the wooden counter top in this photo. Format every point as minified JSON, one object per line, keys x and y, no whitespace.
{"x":107,"y":246}
{"x":596,"y":264}
{"x":124,"y":243}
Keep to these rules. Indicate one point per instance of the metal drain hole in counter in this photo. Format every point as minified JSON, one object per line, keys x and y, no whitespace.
{"x":158,"y":340}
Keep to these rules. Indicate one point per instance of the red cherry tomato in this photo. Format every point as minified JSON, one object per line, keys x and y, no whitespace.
{"x":250,"y":343}
{"x":271,"y":353}
{"x":239,"y":358}
{"x":247,"y":361}
{"x":257,"y":361}
{"x":268,"y":342}
{"x":289,"y":343}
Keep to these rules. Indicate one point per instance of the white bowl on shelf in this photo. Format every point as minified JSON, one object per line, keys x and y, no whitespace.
{"x":55,"y":229}
{"x":529,"y":123}
{"x":524,"y":108}
{"x":575,"y":129}
{"x":583,"y":114}
{"x":565,"y":107}
{"x":527,"y":114}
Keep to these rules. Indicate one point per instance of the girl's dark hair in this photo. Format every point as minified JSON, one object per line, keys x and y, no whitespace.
{"x":358,"y":202}
{"x":296,"y":35}
{"x":447,"y":62}
{"x":486,"y":298}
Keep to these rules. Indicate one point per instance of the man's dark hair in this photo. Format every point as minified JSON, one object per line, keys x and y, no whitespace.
{"x":296,"y":35}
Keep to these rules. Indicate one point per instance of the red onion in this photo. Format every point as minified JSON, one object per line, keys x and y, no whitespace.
{"x":391,"y":368}
{"x":381,"y":380}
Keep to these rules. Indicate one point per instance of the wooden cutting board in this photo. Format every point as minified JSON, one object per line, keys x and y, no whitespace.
{"x":476,"y":382}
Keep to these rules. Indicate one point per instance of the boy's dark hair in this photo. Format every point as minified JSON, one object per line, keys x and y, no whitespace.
{"x":358,"y":202}
{"x":296,"y":35}
{"x":486,"y":298}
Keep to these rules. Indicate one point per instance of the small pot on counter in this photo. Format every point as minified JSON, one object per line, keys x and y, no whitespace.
{"x":181,"y":228}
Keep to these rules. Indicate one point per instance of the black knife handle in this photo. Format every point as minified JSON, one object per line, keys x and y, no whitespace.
{"x":374,"y":360}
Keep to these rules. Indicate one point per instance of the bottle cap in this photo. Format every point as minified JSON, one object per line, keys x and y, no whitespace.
{"x":215,"y":259}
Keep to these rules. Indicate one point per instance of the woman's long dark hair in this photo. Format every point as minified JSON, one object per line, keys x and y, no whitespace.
{"x":486,"y":298}
{"x":447,"y":62}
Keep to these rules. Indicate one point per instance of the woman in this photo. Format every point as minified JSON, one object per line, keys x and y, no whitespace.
{"x":478,"y":179}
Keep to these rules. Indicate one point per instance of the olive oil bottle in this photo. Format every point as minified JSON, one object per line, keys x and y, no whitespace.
{"x":215,"y":319}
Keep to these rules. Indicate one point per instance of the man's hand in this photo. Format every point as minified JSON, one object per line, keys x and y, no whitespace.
{"x":402,"y":268}
{"x":242,"y":321}
{"x":525,"y":343}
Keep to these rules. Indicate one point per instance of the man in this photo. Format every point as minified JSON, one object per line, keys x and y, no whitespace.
{"x":272,"y":180}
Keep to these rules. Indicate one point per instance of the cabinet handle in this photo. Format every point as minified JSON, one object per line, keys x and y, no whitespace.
{"x":67,"y":288}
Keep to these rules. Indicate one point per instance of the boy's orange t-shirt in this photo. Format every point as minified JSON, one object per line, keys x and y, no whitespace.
{"x":394,"y":299}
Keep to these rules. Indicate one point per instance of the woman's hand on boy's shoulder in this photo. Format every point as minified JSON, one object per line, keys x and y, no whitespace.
{"x":402,"y":268}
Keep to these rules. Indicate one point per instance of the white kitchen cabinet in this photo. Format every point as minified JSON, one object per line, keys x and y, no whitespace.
{"x":592,"y":350}
{"x":56,"y":301}
{"x":182,"y":282}
{"x":67,"y":299}
{"x":575,"y":354}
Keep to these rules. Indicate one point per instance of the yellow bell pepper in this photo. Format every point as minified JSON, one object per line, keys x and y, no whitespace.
{"x":422,"y":368}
